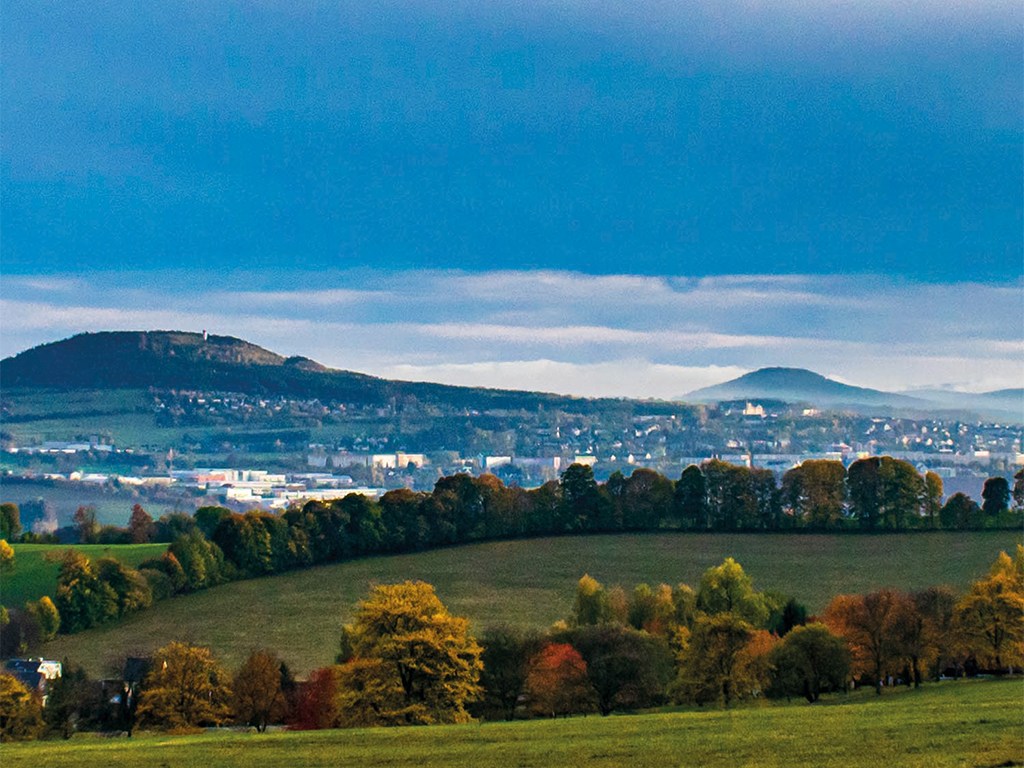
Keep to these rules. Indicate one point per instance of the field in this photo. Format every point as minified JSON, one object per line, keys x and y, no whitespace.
{"x":526,"y":583}
{"x":35,"y":576}
{"x":949,"y":724}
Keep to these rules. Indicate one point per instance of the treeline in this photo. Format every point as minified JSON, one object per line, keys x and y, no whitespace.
{"x":405,"y":660}
{"x":216,"y":545}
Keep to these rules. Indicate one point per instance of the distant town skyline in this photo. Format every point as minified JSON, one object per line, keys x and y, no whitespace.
{"x":595,"y":198}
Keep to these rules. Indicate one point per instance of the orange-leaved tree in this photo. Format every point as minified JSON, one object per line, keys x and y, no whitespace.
{"x":557,"y":683}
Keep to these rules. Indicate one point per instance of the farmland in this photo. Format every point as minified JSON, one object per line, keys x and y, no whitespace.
{"x":948,"y":724}
{"x":527,"y":583}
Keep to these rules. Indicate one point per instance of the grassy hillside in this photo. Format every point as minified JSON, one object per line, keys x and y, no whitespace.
{"x":35,"y":576}
{"x":951,"y":724}
{"x":527,"y":583}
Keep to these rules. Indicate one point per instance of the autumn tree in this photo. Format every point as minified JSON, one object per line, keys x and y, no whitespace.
{"x":557,"y":682}
{"x":707,"y":664}
{"x":591,"y":605}
{"x":427,"y":666}
{"x":86,"y":524}
{"x":258,"y":697}
{"x":6,"y":558}
{"x":10,"y":520}
{"x":185,"y":687}
{"x":46,"y":617}
{"x":82,"y":599}
{"x":627,"y":669}
{"x":866,"y":622}
{"x":317,"y":708}
{"x":816,"y":492}
{"x":727,"y":589}
{"x":20,"y":711}
{"x":141,"y":528}
{"x":989,"y":615}
{"x":810,"y":661}
{"x":131,"y":591}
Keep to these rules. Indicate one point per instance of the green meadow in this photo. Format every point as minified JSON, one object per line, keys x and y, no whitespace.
{"x":528,"y":583}
{"x":973,"y":723}
{"x":35,"y":574}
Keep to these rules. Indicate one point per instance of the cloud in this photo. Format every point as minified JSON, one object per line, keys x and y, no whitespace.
{"x":875,"y":331}
{"x":613,"y":378}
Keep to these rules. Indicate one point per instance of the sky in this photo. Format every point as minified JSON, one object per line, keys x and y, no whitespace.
{"x":599,"y":198}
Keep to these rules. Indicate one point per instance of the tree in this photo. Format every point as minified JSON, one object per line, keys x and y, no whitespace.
{"x":932,"y":498}
{"x":995,"y":495}
{"x":1018,"y":490}
{"x":185,"y":687}
{"x":816,"y":492}
{"x":866,"y":622}
{"x":131,"y":590}
{"x":691,"y":499}
{"x":506,"y":657}
{"x":809,"y":661}
{"x":989,"y":615}
{"x":707,"y":664}
{"x":201,"y":561}
{"x":10,"y":520}
{"x":141,"y":528}
{"x":864,"y":487}
{"x":82,"y":599}
{"x":68,"y":700}
{"x":727,"y":589}
{"x":580,"y":498}
{"x":258,"y":697}
{"x":86,"y":525}
{"x":557,"y":682}
{"x":429,"y":667}
{"x":591,"y":605}
{"x":902,"y":492}
{"x":626,"y":668}
{"x":960,"y":512}
{"x":20,"y":712}
{"x":6,"y":558}
{"x":46,"y":616}
{"x":318,"y":707}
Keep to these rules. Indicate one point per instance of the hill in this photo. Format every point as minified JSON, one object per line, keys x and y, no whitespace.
{"x":528,"y":583}
{"x":947,"y":724}
{"x":130,"y":360}
{"x":798,"y":385}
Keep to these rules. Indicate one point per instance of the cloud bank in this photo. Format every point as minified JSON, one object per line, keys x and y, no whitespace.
{"x":608,"y":335}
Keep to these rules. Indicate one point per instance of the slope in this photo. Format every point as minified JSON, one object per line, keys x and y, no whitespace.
{"x":527,"y":583}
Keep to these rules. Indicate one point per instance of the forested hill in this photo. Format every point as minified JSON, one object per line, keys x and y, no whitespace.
{"x":179,"y":360}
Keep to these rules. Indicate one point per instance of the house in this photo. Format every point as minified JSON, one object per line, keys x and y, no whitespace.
{"x":34,"y":674}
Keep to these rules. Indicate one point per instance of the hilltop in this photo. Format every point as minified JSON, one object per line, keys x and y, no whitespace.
{"x":119,"y":360}
{"x":798,"y":385}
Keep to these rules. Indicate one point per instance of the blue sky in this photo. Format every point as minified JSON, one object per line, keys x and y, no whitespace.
{"x":617,"y":168}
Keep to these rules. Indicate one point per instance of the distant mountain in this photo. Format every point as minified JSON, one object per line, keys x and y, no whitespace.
{"x":797,"y":385}
{"x":194,"y":361}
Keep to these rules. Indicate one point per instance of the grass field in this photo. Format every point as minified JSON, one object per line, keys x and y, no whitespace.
{"x":35,"y":576}
{"x":949,"y":724}
{"x":526,"y":583}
